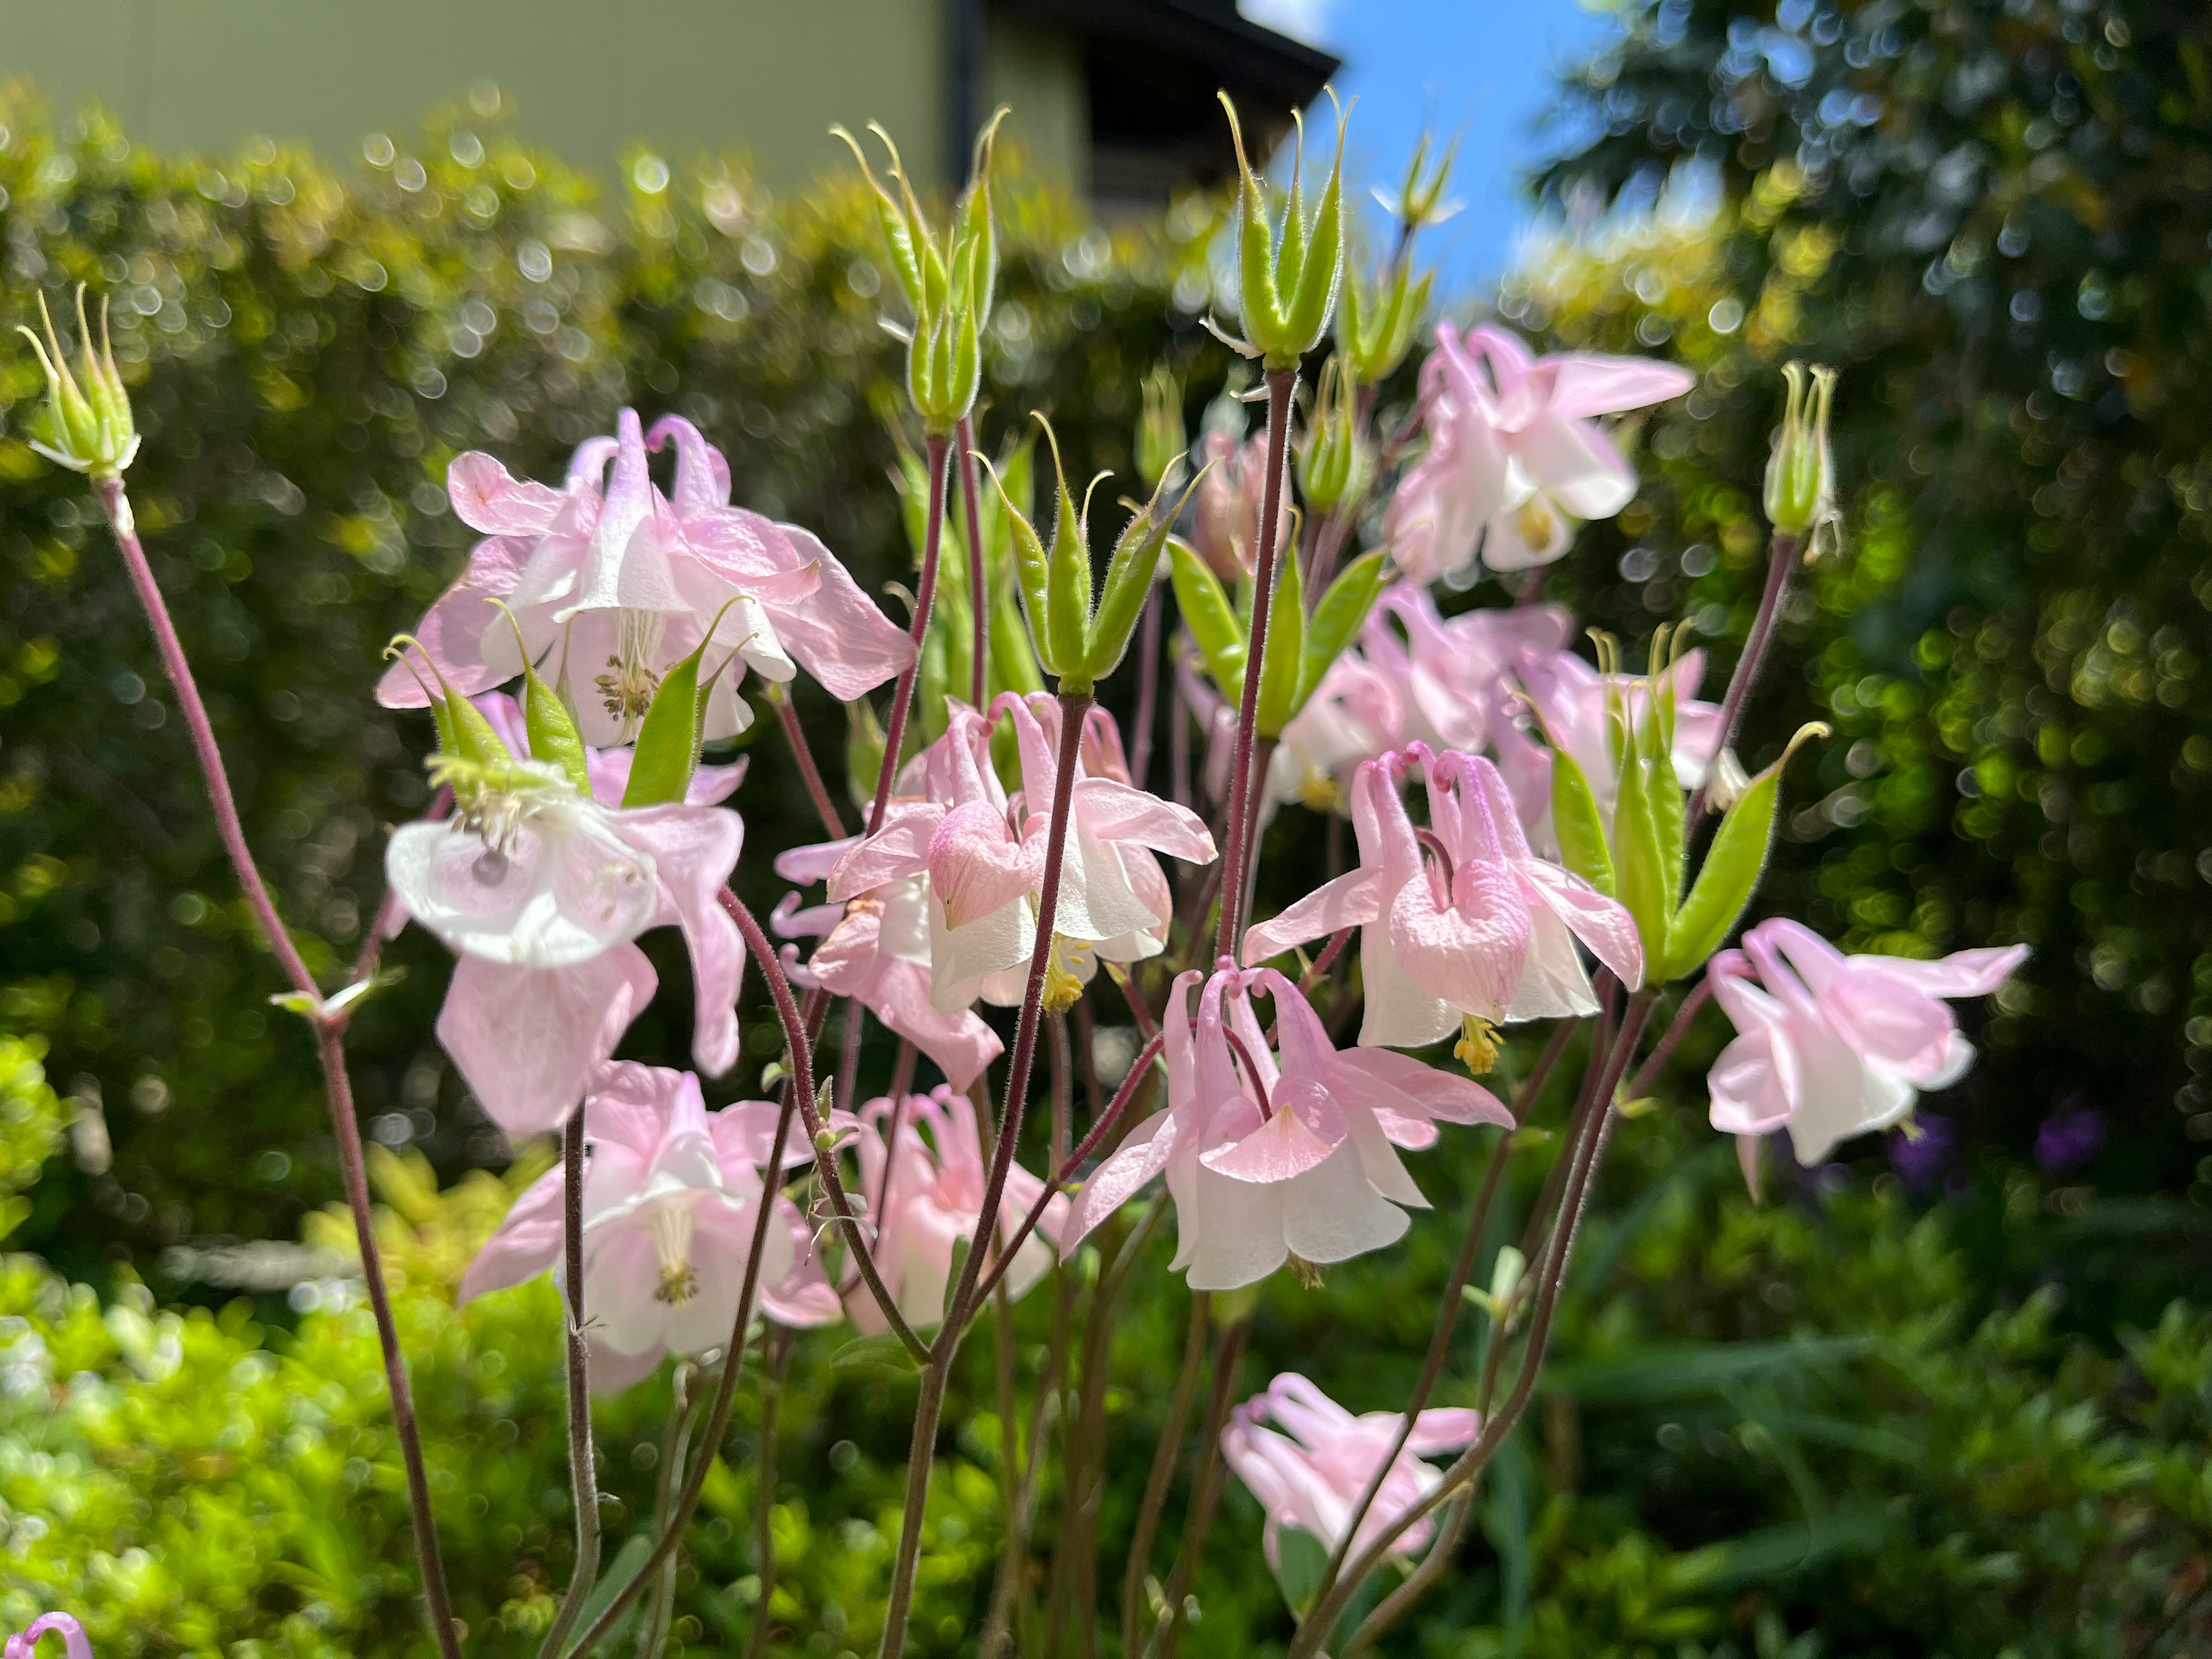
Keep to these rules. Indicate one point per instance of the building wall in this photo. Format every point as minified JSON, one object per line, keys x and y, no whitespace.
{"x":585,"y":77}
{"x":1039,"y":75}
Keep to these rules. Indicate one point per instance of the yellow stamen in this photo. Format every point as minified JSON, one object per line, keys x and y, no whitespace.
{"x":671,"y":1237}
{"x":1063,"y":980}
{"x":1477,"y":1045}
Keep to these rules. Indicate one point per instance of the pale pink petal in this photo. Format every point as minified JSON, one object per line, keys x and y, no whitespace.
{"x":1578,"y":465}
{"x":1351,"y":899}
{"x":1119,"y":811}
{"x":1591,"y":383}
{"x":1471,"y":952}
{"x":975,"y":866}
{"x":702,"y":476}
{"x":1113,"y":1183}
{"x":1330,"y":1213}
{"x":452,"y":631}
{"x":837,"y":633}
{"x":487,"y":499}
{"x":528,"y":1041}
{"x":1961,"y":974}
{"x":899,"y":850}
{"x":526,"y":1245}
{"x":695,"y":849}
{"x":1279,"y":1149}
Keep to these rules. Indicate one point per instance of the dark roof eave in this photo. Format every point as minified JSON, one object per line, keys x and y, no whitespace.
{"x":1249,"y":58}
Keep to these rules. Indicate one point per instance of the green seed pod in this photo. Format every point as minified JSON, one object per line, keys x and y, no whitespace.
{"x":1801,"y":485}
{"x":87,"y":426}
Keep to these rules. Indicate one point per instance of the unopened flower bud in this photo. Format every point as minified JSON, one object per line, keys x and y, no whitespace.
{"x":1161,"y":440}
{"x":1288,"y":278}
{"x":1419,"y":200}
{"x":1334,"y":464}
{"x":1801,"y":473}
{"x":1375,"y":328}
{"x":86,"y":426}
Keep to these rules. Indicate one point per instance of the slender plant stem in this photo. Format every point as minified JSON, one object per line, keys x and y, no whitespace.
{"x":1322,"y":963}
{"x":780,"y":1338}
{"x":1263,"y":754}
{"x":825,"y":1158}
{"x":1074,"y":706}
{"x":1227,"y":1351}
{"x":1146,"y":1025}
{"x":1013,"y":1552}
{"x":682,"y":1406}
{"x":1496,"y":1426}
{"x":583,"y":1473}
{"x":1163,"y":1470}
{"x":1781,"y":556}
{"x":1684,"y":1016}
{"x":848,"y":1059}
{"x":902,"y":1077}
{"x":1148,"y":691}
{"x":725,"y":1393}
{"x":935,"y":450}
{"x":979,"y":598}
{"x":1280,"y":384}
{"x":960,"y":1305}
{"x":1417,"y":1582}
{"x":1139,"y":1072}
{"x":1448,"y":1313}
{"x":1178,"y":749}
{"x":802,"y":753}
{"x":329,"y":1046}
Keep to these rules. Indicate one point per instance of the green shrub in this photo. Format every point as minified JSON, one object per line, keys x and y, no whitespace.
{"x":1994,"y":220}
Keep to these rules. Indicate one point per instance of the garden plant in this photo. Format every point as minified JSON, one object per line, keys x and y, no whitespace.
{"x":1571,"y":814}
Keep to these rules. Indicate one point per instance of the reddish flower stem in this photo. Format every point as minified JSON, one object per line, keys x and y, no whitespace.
{"x":795,"y":1031}
{"x":583,"y":1475}
{"x":1228,"y":1351}
{"x":1607,"y":1078}
{"x":1463,"y":1270}
{"x":1685,"y":1015}
{"x":1280,"y":384}
{"x":934,"y":451}
{"x":1122,"y":1096}
{"x":960,"y":1305}
{"x":979,"y":600}
{"x":1148,"y":692}
{"x":1781,"y":555}
{"x":825,"y":805}
{"x":330,"y":1047}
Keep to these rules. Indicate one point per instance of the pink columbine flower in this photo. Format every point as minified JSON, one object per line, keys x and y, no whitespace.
{"x":927,"y":1195}
{"x":75,"y":1644}
{"x":1308,"y":1460}
{"x":1832,"y":1046}
{"x":540,"y":891}
{"x":1225,"y":527}
{"x":877,"y":950}
{"x":1272,"y":1153}
{"x":984,"y":854}
{"x":1513,"y":452}
{"x":610,"y":587}
{"x":1461,"y":919}
{"x":1567,"y":700}
{"x":671,"y":1199}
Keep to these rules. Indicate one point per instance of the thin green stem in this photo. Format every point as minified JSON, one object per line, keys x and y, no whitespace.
{"x":583,"y":1473}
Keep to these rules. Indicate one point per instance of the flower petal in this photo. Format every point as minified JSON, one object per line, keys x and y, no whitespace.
{"x":528,"y":1041}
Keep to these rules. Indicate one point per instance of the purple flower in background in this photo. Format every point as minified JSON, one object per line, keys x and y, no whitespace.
{"x":1920,"y":1154}
{"x":2070,"y":1138}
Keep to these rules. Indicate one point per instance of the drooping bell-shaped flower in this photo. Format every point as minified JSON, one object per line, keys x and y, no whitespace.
{"x":1461,"y":922}
{"x":1308,"y":1462}
{"x":669,"y":1201}
{"x":611,"y":583}
{"x":1832,"y":1046}
{"x":984,"y":854}
{"x":1276,"y":1152}
{"x":1513,"y":455}
{"x":541,"y":892}
{"x":925,"y":1186}
{"x":877,"y":950}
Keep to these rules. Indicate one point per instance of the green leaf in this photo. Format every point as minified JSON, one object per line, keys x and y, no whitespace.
{"x":1067,"y":593}
{"x":1304,"y":1560}
{"x":1343,"y":607}
{"x":962,"y":1248}
{"x":554,"y":739}
{"x":1321,"y":271}
{"x":1283,"y":661}
{"x":1210,"y":618}
{"x":669,"y":739}
{"x":1032,"y":574}
{"x":474,"y":739}
{"x":1731,"y":872}
{"x":1646,"y":886}
{"x":1576,"y":822}
{"x":1656,"y":748}
{"x":882,"y":1352}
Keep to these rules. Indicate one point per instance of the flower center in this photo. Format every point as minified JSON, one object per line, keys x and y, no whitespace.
{"x":628,"y":686}
{"x":671,"y":1237}
{"x":1534,"y":521}
{"x":1477,"y":1045}
{"x":491,"y":800}
{"x":1063,"y":974}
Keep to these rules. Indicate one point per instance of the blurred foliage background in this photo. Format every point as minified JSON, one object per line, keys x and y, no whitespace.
{"x":1944,"y":1408}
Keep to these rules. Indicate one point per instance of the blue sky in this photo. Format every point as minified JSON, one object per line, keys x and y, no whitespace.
{"x":1479,"y":69}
